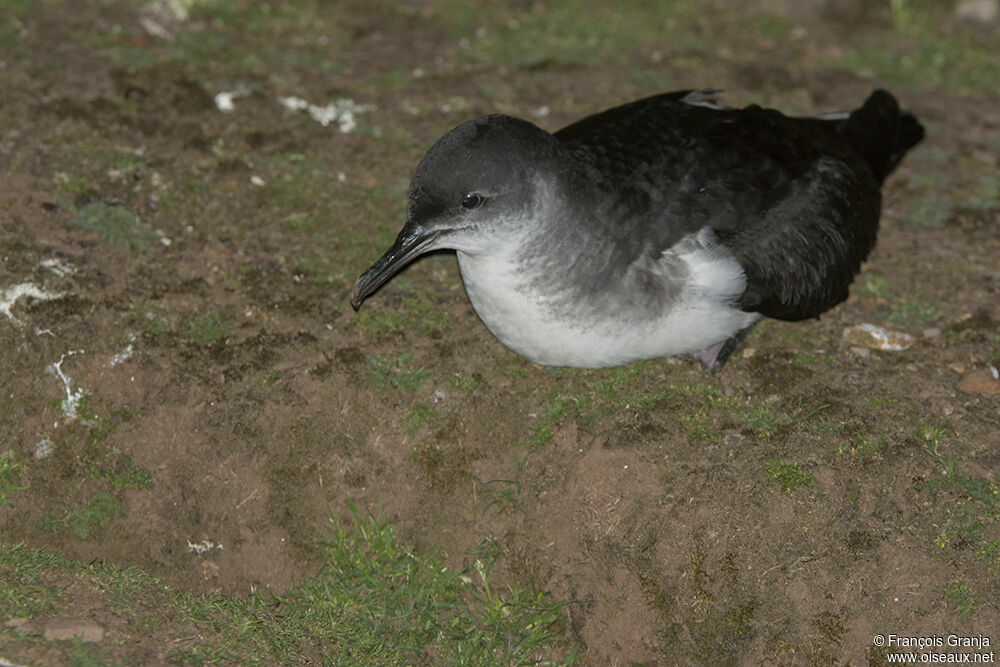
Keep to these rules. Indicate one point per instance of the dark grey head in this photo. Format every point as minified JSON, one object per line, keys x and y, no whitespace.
{"x":472,"y":190}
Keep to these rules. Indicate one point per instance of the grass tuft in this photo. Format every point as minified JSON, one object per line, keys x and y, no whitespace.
{"x":97,"y":513}
{"x":394,"y":372}
{"x":113,"y":224}
{"x":789,"y":475}
{"x":12,"y":469}
{"x":373,"y":601}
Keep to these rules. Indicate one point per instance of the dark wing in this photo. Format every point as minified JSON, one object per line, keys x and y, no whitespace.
{"x":793,"y":199}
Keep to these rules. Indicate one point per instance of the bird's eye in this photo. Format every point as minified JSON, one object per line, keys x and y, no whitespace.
{"x":473,"y":200}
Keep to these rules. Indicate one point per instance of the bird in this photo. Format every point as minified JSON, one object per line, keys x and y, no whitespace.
{"x":667,"y":226}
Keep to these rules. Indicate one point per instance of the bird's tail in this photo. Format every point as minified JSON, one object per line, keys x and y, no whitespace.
{"x":881,"y":132}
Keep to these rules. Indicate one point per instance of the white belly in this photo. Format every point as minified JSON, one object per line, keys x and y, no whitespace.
{"x":523,"y":317}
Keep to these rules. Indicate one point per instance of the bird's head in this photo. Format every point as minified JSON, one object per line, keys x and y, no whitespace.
{"x":477,"y":190}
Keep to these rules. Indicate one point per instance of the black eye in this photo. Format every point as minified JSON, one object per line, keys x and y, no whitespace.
{"x":473,"y":200}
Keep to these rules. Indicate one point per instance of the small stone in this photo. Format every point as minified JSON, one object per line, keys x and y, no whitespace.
{"x":62,"y":629}
{"x":861,"y":352}
{"x":983,"y":12}
{"x":44,"y":448}
{"x":931,"y":333}
{"x":877,"y":338}
{"x":733,"y":439}
{"x":980,"y":382}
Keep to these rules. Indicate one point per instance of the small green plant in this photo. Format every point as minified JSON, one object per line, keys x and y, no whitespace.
{"x":989,"y":553}
{"x":913,"y":313}
{"x":927,"y":211}
{"x":824,"y":426}
{"x":514,"y":367}
{"x":21,"y":594}
{"x":394,"y":372}
{"x":699,"y":426}
{"x":504,"y":492}
{"x":207,"y":328}
{"x":963,"y":524}
{"x":394,"y":606}
{"x":12,"y":469}
{"x":789,"y":475}
{"x":77,"y":186}
{"x":122,"y":475}
{"x":972,"y":515}
{"x":862,"y":446}
{"x":761,"y":419}
{"x":417,"y":315}
{"x":101,"y":509}
{"x":113,"y":224}
{"x":155,"y":325}
{"x":465,"y":384}
{"x":958,"y":597}
{"x":985,"y":194}
{"x":269,"y":379}
{"x":811,"y":359}
{"x":932,"y":434}
{"x":417,"y":416}
{"x":875,"y":286}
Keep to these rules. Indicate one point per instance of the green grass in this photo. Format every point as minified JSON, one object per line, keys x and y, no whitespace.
{"x":233,"y":40}
{"x":207,"y":328}
{"x":122,"y":474}
{"x":960,"y":599}
{"x":586,"y":395}
{"x":824,"y":426}
{"x":923,"y":51}
{"x":113,"y":224}
{"x":761,"y":419}
{"x":790,"y":476}
{"x":566,"y":32}
{"x":912,"y":313}
{"x":971,"y":512}
{"x":154,"y":324}
{"x":82,"y":522}
{"x":373,"y":600}
{"x":343,"y":250}
{"x":417,"y":415}
{"x":875,"y":286}
{"x":812,"y":359}
{"x":417,"y":316}
{"x":12,"y":469}
{"x":989,"y":553}
{"x":932,"y":433}
{"x":985,"y":194}
{"x":862,"y":447}
{"x":23,"y":591}
{"x":395,"y":373}
{"x":74,"y":185}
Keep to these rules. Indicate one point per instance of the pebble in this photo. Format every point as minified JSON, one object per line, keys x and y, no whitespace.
{"x":877,"y":338}
{"x":982,"y":12}
{"x":980,"y":382}
{"x":87,"y":631}
{"x":58,"y":629}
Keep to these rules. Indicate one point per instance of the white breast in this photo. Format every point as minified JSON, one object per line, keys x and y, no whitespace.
{"x":517,"y":308}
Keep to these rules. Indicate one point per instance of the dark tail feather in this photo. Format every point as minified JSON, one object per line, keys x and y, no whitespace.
{"x":882,"y":133}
